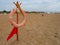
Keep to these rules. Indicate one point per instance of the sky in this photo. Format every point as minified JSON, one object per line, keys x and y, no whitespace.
{"x":32,"y":5}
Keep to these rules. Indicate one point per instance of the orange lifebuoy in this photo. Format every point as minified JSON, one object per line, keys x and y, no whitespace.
{"x":12,"y":21}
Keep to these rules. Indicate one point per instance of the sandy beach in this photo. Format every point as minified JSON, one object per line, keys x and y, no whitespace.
{"x":39,"y":30}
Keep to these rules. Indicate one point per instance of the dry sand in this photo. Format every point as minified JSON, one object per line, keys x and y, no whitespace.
{"x":39,"y":30}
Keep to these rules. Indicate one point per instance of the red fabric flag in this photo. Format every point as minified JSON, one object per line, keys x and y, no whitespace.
{"x":14,"y":31}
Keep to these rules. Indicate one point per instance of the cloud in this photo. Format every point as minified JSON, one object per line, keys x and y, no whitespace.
{"x":32,"y":5}
{"x":42,"y":5}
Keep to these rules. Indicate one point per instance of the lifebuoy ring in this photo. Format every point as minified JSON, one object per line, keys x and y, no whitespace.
{"x":12,"y":21}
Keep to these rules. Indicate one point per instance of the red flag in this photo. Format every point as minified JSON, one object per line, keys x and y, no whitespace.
{"x":14,"y":31}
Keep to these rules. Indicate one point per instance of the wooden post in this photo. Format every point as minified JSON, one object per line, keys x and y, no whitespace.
{"x":17,"y":23}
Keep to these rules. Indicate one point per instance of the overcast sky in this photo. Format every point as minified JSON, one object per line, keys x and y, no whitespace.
{"x":32,"y":5}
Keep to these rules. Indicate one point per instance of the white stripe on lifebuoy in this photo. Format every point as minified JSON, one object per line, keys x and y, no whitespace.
{"x":14,"y":23}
